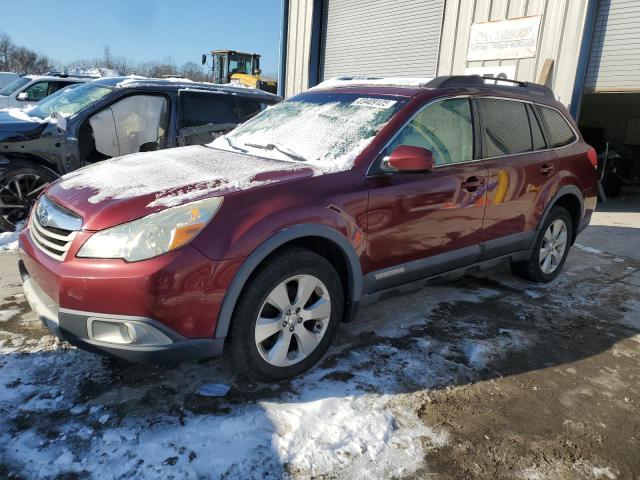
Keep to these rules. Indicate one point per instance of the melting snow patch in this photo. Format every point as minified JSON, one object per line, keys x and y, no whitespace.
{"x":586,"y":249}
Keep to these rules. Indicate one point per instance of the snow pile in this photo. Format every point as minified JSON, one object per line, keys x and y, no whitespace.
{"x":328,"y":136}
{"x":346,"y":81}
{"x":175,"y":175}
{"x":9,"y":240}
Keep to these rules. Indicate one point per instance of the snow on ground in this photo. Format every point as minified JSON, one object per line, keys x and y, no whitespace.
{"x":64,"y":410}
{"x":9,"y":240}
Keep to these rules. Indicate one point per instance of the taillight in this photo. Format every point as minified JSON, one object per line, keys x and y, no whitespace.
{"x":593,"y":157}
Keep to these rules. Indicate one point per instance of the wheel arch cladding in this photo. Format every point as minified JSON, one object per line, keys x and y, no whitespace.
{"x":318,"y":238}
{"x":569,"y":197}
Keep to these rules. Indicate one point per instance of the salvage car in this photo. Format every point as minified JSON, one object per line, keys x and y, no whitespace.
{"x":28,"y":90}
{"x":265,"y":240}
{"x":107,"y":118}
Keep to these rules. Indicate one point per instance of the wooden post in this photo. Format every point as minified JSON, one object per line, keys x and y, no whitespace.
{"x":545,"y":74}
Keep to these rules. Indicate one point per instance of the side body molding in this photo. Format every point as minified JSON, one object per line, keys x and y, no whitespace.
{"x":354,"y":290}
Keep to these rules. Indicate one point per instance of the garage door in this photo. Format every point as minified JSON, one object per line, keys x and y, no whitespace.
{"x":614,"y":62}
{"x":380,"y":37}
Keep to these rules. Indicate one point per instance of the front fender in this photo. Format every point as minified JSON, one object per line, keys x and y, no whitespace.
{"x":272,"y":244}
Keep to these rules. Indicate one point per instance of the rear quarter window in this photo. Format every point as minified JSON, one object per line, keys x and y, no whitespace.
{"x":558,"y":128}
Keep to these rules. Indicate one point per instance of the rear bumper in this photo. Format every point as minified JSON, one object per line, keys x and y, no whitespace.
{"x":75,"y":327}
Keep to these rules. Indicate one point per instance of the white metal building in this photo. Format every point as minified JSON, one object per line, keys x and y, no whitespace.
{"x":587,"y":51}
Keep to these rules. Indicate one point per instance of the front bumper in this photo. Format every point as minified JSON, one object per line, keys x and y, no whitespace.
{"x":160,"y":344}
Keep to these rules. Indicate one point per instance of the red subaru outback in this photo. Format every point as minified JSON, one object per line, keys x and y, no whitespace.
{"x":263,"y":241}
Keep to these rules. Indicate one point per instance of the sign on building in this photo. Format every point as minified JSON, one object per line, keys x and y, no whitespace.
{"x":504,"y":39}
{"x":496,"y":71}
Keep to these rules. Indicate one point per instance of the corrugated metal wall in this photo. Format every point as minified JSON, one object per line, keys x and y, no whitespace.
{"x":380,"y":37}
{"x":614,"y":62}
{"x":298,"y":46}
{"x":559,"y":39}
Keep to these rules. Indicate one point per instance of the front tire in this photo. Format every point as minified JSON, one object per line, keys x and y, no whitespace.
{"x":550,"y":249}
{"x":286,"y":317}
{"x":20,"y":184}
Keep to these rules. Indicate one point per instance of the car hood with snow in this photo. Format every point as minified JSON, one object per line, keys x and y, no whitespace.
{"x":17,"y":126}
{"x":126,"y":188}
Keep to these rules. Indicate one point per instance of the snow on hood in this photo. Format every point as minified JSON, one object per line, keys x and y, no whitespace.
{"x":175,"y":176}
{"x":21,"y":114}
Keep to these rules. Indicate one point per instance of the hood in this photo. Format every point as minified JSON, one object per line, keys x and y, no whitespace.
{"x":122,"y":189}
{"x":16,"y":125}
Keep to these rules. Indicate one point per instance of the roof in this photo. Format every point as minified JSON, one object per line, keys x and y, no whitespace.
{"x":174,"y":84}
{"x":59,"y":77}
{"x":410,"y":86}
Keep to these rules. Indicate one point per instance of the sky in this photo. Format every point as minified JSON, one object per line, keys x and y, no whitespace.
{"x":143,"y":30}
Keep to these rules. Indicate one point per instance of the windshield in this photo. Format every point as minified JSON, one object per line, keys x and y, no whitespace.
{"x":239,"y":63}
{"x":70,"y":101}
{"x":14,"y":86}
{"x":327,"y":130}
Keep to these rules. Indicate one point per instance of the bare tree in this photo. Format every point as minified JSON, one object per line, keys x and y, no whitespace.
{"x":193,"y":71}
{"x":21,"y":59}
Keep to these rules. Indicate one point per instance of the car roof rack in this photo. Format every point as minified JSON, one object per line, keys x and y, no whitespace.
{"x":477,"y":81}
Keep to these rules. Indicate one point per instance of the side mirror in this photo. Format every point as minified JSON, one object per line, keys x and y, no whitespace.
{"x":23,"y":96}
{"x":407,"y":158}
{"x":204,"y":58}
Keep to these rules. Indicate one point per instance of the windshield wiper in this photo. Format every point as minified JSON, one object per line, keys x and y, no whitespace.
{"x":233,"y":145}
{"x":281,"y":149}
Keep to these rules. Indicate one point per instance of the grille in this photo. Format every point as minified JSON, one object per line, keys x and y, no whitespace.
{"x":53,"y":241}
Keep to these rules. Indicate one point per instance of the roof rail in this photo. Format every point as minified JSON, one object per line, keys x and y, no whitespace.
{"x":477,"y":81}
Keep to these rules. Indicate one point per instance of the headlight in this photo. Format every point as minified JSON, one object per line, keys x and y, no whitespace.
{"x":152,"y":235}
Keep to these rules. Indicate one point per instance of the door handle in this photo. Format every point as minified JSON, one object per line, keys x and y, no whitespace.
{"x":472,"y":184}
{"x":546,"y":169}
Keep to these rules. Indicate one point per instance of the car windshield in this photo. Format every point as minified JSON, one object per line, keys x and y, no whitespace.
{"x":70,"y":101}
{"x":324,"y":129}
{"x":14,"y":86}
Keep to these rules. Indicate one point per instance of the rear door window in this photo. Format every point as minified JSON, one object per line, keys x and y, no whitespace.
{"x":200,"y":108}
{"x":506,"y":127}
{"x":204,"y":116}
{"x":559,"y":130}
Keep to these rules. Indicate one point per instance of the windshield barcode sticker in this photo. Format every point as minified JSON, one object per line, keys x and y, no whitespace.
{"x":381,"y":103}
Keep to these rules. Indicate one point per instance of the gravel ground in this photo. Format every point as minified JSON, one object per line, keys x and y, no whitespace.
{"x":485,"y":377}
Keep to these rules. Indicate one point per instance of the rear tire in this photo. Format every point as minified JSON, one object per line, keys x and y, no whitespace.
{"x":550,"y":248}
{"x":286,"y":316}
{"x":21,"y":182}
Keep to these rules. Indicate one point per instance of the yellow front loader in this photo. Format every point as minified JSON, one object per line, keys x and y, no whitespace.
{"x":241,"y":68}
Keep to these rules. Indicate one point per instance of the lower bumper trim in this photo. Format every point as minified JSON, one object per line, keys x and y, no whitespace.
{"x":71,"y":326}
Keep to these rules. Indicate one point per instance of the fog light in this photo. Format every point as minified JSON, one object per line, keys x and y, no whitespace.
{"x":126,"y":332}
{"x":112,"y":332}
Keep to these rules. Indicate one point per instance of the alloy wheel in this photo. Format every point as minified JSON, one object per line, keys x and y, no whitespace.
{"x":18,"y":194}
{"x":553,"y":247}
{"x":292,"y":320}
